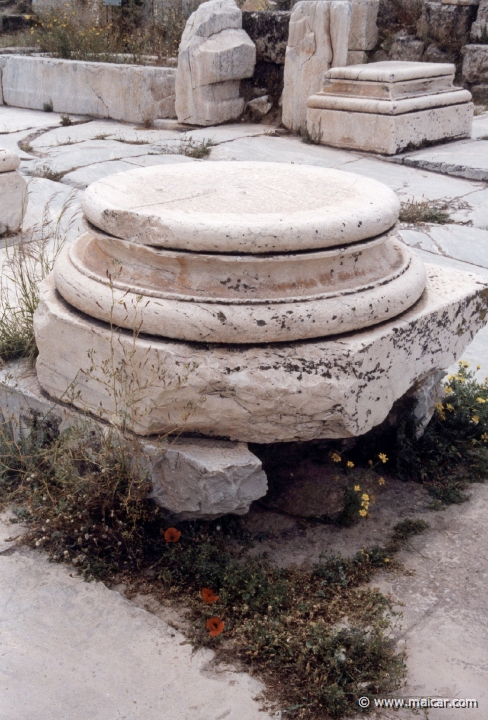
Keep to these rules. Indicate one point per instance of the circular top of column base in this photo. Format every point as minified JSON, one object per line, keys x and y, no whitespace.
{"x":240,"y":207}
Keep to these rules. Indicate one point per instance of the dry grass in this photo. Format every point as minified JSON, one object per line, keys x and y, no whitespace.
{"x":420,"y":212}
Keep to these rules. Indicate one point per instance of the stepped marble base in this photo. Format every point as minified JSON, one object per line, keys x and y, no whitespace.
{"x":326,"y":388}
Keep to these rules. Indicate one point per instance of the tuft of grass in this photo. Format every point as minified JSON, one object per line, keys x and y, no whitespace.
{"x":195,"y":149}
{"x":66,"y":120}
{"x":419,"y":212}
{"x":48,"y":173}
{"x":311,"y":138}
{"x":48,"y":106}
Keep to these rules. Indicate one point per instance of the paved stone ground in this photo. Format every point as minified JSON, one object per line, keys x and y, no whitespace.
{"x":74,"y":651}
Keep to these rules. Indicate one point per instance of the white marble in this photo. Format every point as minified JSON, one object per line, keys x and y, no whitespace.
{"x":9,"y":161}
{"x":363,"y":34}
{"x":246,"y":207}
{"x":215,"y":53}
{"x":464,"y":159}
{"x":131,"y":93}
{"x":340,"y":387}
{"x":317,"y":40}
{"x":13,"y":197}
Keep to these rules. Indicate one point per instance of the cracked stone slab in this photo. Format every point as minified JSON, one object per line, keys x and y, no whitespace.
{"x":55,"y":203}
{"x":480,"y":127}
{"x":333,"y":388}
{"x":463,"y":159}
{"x":72,"y":649}
{"x":94,"y":129}
{"x":15,"y":119}
{"x":469,"y":244}
{"x":66,"y":158}
{"x":91,"y":173}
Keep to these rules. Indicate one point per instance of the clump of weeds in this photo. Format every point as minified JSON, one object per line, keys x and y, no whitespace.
{"x":420,"y":212}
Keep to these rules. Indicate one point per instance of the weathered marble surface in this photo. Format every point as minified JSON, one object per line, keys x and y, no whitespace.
{"x":317,"y":41}
{"x":13,"y":193}
{"x":340,"y":387}
{"x":131,"y":93}
{"x":215,"y":53}
{"x":246,"y":208}
{"x":387,"y":107}
{"x":239,"y":299}
{"x":363,"y":34}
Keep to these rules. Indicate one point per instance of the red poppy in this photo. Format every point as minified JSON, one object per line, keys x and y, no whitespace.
{"x":172,"y":535}
{"x":215,"y":626}
{"x":209,"y":596}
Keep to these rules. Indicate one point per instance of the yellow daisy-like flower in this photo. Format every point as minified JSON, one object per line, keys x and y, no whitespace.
{"x":478,"y":367}
{"x":449,"y":407}
{"x":484,"y":437}
{"x":464,"y":363}
{"x":383,"y":457}
{"x":363,"y":513}
{"x":350,"y":464}
{"x":381,"y":481}
{"x":357,"y":488}
{"x":335,"y":457}
{"x":448,"y":390}
{"x":475,"y":419}
{"x":451,"y":377}
{"x":365,"y":496}
{"x":387,"y":559}
{"x":481,"y":400}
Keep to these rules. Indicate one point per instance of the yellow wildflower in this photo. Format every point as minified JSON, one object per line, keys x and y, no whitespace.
{"x":475,"y":419}
{"x":478,"y":367}
{"x":335,"y":457}
{"x":350,"y":464}
{"x":363,"y":513}
{"x":357,"y":488}
{"x":365,"y":496}
{"x":464,"y":364}
{"x":451,"y":377}
{"x":449,"y":407}
{"x":387,"y":559}
{"x":383,"y":457}
{"x":448,"y":390}
{"x":484,"y":437}
{"x":481,"y":400}
{"x":381,"y":481}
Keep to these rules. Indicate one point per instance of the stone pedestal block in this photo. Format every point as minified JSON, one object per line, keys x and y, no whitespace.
{"x":326,"y":388}
{"x":387,"y":107}
{"x":363,"y":34}
{"x":214,"y":55}
{"x":13,"y":193}
{"x":318,"y":40}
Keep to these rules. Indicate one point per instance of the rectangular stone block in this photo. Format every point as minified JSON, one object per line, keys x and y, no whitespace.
{"x":13,"y":201}
{"x":389,"y":134}
{"x":363,"y":34}
{"x":356,"y":57}
{"x":131,"y":93}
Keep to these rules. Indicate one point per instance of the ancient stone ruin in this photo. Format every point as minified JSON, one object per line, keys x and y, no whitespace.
{"x":387,"y":107}
{"x":13,"y":193}
{"x":255,"y":302}
{"x":215,"y":54}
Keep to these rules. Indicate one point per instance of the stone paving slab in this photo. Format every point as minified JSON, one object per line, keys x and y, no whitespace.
{"x":445,"y":609}
{"x":466,"y":159}
{"x":14,"y":119}
{"x":72,"y":650}
{"x":480,"y":127}
{"x":82,"y":177}
{"x":469,"y":244}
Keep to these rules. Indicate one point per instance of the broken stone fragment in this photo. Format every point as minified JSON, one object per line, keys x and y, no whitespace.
{"x":215,"y":53}
{"x":13,"y":193}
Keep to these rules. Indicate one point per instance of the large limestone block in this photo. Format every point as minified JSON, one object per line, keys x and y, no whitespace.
{"x":214,"y":55}
{"x":131,"y":93}
{"x":318,"y":40}
{"x":475,"y":64}
{"x":190,"y":477}
{"x":363,"y":34}
{"x":199,"y":478}
{"x":327,"y":388}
